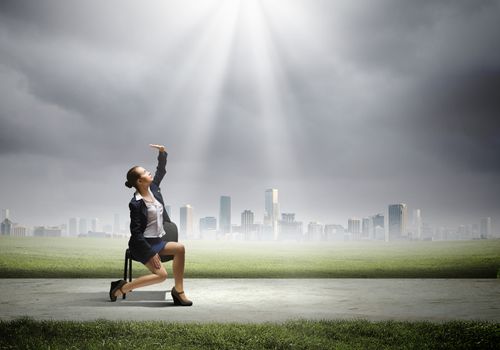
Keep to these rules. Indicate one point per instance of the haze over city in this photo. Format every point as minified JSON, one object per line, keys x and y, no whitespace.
{"x":345,"y":107}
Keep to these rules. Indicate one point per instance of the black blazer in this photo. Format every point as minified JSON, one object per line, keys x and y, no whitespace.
{"x":139,"y":247}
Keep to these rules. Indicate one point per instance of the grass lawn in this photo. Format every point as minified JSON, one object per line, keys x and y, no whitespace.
{"x":40,"y":257}
{"x":359,"y":334}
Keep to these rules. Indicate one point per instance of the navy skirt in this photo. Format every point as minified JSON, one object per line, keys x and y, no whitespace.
{"x":157,"y":243}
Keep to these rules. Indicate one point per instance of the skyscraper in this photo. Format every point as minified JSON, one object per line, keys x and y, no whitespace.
{"x":225,"y":214}
{"x":73,"y":227}
{"x":315,"y":231}
{"x":208,"y":227}
{"x":289,"y":229}
{"x":94,"y":224}
{"x":365,"y":228}
{"x":272,"y":211}
{"x":82,"y":226}
{"x":398,"y":214}
{"x":335,"y":232}
{"x":417,"y":224}
{"x":5,"y":214}
{"x":378,"y":227}
{"x":247,"y":223}
{"x":354,"y":228}
{"x":208,"y":223}
{"x":485,"y":227}
{"x":6,"y":226}
{"x":186,"y":222}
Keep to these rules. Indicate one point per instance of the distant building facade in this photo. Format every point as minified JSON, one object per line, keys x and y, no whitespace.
{"x":51,"y":231}
{"x":315,"y":231}
{"x":289,"y":229}
{"x":378,"y":227}
{"x":272,"y":211}
{"x":485,"y":228}
{"x":354,"y":228}
{"x":186,"y":222}
{"x":334,"y":232}
{"x":225,"y":215}
{"x":397,"y":221}
{"x":208,"y":228}
{"x":6,"y":227}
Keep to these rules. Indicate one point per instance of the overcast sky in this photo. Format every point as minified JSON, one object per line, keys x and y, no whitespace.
{"x":343,"y":106}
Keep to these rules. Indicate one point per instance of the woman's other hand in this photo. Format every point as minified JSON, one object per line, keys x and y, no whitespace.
{"x":155,"y":260}
{"x":160,"y":148}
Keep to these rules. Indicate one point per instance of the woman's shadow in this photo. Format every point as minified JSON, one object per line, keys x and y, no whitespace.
{"x":136,"y":298}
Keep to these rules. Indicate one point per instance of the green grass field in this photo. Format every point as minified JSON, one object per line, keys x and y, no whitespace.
{"x":100,"y":334}
{"x":39,"y":257}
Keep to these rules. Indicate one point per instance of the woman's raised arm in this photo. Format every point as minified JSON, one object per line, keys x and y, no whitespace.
{"x":162,"y":164}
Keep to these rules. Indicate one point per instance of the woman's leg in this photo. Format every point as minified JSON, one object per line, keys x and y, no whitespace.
{"x":159,"y":275}
{"x":178,"y":251}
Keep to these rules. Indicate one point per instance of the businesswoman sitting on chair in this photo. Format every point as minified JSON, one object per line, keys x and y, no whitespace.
{"x":148,"y":240}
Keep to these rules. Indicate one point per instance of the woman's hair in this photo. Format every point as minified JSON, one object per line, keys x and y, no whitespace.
{"x":132,"y":177}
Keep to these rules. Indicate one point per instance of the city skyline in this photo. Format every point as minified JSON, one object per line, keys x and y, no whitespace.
{"x":343,"y":106}
{"x":394,"y":222}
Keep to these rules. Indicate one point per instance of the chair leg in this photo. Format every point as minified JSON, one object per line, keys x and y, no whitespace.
{"x":125,"y":267}
{"x":125,"y":270}
{"x":130,"y":269}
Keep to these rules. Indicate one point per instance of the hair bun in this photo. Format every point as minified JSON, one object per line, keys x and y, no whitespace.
{"x":127,"y":184}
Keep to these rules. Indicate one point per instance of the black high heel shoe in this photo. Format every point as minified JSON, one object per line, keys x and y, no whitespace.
{"x":116,"y":285}
{"x":178,"y":300}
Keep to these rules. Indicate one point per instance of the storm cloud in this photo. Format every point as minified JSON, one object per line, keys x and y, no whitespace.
{"x":343,"y":106}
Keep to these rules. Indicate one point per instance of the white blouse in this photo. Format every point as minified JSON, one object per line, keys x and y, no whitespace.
{"x":154,"y":226}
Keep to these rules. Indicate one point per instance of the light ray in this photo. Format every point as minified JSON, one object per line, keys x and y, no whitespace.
{"x":197,"y":87}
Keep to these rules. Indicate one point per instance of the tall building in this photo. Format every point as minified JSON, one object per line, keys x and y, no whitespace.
{"x":315,"y":231}
{"x":335,"y":232}
{"x":247,"y":217}
{"x":354,"y":228}
{"x":289,"y":229}
{"x":397,"y":221}
{"x":225,"y":214}
{"x":94,"y":224}
{"x":6,"y":227}
{"x":73,"y":227}
{"x":169,"y":210}
{"x":208,"y":227}
{"x":272,"y":211}
{"x":288,"y":217}
{"x":208,"y":223}
{"x":365,"y":228}
{"x":5,"y":214}
{"x":417,"y":224}
{"x":485,"y":227}
{"x":82,"y":226}
{"x":186,"y":222}
{"x":378,"y":227}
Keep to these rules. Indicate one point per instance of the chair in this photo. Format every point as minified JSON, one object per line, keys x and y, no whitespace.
{"x":127,"y":269}
{"x":172,"y":235}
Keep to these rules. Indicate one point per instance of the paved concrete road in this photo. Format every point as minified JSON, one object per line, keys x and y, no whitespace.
{"x":257,"y":300}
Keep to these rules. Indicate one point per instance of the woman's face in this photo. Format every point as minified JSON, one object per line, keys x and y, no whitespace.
{"x":146,"y":177}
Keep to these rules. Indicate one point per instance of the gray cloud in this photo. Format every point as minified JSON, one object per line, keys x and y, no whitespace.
{"x":371,"y":103}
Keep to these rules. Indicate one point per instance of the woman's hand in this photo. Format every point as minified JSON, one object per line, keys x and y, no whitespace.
{"x":155,"y":261}
{"x":160,"y":148}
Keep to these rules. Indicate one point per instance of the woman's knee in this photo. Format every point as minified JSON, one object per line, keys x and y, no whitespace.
{"x":181,"y":249}
{"x":161,"y":274}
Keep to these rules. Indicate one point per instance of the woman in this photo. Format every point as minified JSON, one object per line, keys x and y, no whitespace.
{"x":148,"y":239}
